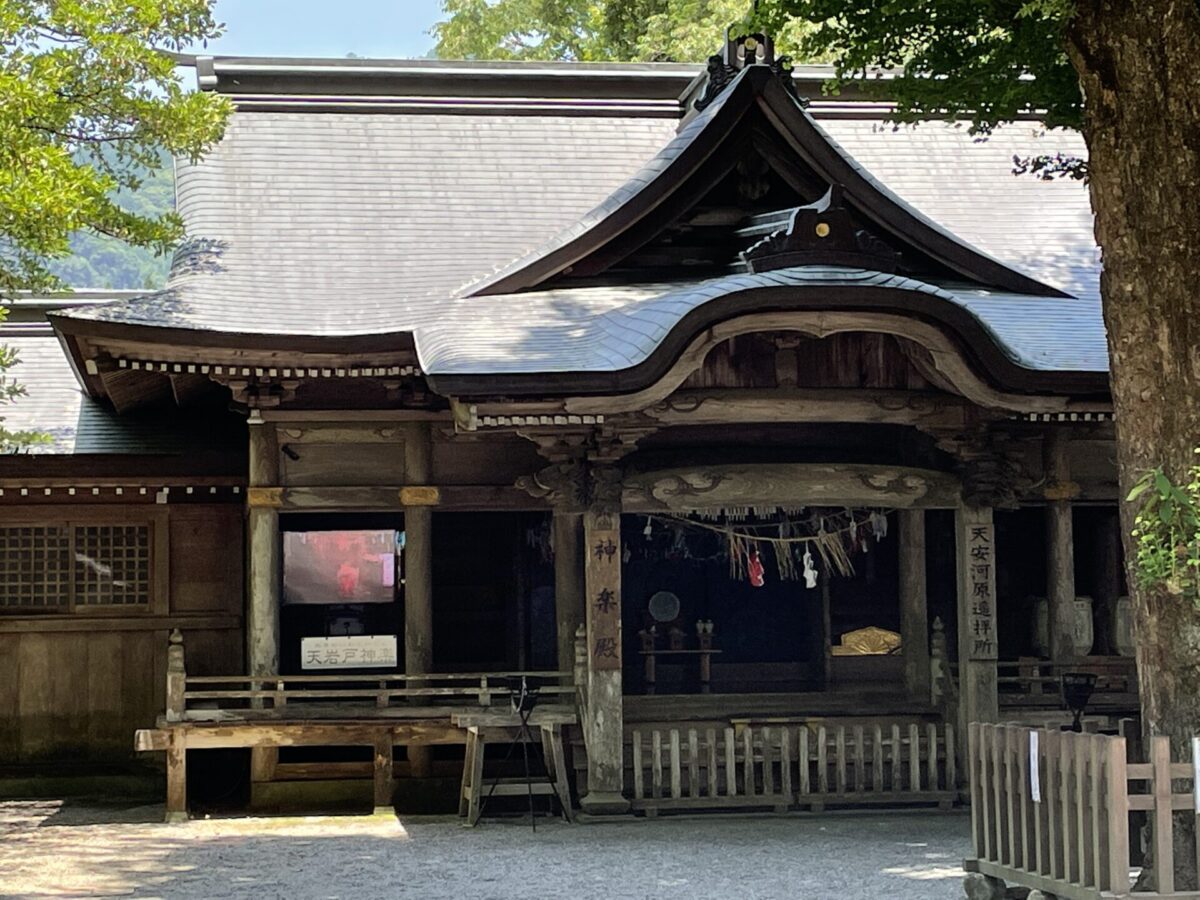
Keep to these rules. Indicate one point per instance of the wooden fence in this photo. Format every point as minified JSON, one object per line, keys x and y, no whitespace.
{"x":1051,"y":810}
{"x":783,"y":766}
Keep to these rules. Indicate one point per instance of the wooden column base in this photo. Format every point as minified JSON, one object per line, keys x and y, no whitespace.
{"x":604,"y":803}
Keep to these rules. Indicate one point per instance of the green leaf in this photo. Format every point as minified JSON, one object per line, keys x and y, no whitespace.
{"x":1162,"y":483}
{"x":1137,"y":490}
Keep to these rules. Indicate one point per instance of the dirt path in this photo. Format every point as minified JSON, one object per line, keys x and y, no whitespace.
{"x":50,"y":849}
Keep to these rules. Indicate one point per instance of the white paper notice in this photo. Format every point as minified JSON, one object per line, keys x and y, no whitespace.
{"x":1035,"y":775}
{"x":363,"y":651}
{"x":1196,"y":772}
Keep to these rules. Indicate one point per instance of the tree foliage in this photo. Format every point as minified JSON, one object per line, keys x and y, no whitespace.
{"x":597,"y":31}
{"x":89,"y":102}
{"x":98,"y":261}
{"x":89,"y":105}
{"x":1166,"y":532}
{"x":987,"y":62}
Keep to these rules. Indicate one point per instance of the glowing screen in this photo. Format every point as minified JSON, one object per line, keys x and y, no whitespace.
{"x":340,"y":566}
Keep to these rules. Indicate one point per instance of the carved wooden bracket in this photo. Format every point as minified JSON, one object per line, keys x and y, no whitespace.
{"x":261,"y":393}
{"x":992,"y":466}
{"x":584,"y":473}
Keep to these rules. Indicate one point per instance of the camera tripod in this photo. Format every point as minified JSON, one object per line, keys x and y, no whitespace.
{"x":524,"y":699}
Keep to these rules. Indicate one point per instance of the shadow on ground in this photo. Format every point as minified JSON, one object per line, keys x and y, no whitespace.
{"x":50,"y":849}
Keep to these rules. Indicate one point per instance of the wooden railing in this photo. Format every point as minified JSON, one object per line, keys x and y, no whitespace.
{"x":782,"y":766}
{"x":1050,"y":809}
{"x":1035,"y":683}
{"x":199,"y":697}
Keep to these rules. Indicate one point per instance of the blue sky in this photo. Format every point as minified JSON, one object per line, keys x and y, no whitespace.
{"x":378,"y":28}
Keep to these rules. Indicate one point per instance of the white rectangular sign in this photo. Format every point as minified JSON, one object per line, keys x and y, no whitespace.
{"x":1035,"y":774}
{"x":1196,"y":772}
{"x":358,"y":651}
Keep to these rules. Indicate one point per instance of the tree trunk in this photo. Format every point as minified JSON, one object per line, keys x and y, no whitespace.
{"x":1137,"y":66}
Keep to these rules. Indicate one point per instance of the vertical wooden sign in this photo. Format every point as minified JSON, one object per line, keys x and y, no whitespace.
{"x":978,"y":541}
{"x":603,"y":585}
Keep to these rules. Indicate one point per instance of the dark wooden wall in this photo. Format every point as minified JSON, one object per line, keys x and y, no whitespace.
{"x":75,"y":687}
{"x":853,"y":360}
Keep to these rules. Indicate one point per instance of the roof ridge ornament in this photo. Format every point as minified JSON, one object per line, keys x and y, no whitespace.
{"x":822,"y":233}
{"x":757,"y":49}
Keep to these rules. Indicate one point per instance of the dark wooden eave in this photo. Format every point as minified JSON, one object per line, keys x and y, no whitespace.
{"x":975,"y":344}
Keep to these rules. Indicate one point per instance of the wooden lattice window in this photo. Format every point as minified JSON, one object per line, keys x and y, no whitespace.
{"x":35,"y":567}
{"x":112,"y":564}
{"x":69,"y":566}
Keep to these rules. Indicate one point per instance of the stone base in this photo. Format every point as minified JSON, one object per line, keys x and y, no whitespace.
{"x":983,"y":887}
{"x":176,"y":818}
{"x":604,"y":803}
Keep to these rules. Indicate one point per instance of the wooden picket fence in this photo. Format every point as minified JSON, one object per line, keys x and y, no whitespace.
{"x":1051,"y":810}
{"x":779,"y":767}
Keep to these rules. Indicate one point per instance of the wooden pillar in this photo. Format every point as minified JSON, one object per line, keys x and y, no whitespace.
{"x":177,"y":776}
{"x":418,"y":578}
{"x":568,"y":583}
{"x":1108,"y":581}
{"x":914,"y":609}
{"x":262,"y":613}
{"x":383,"y":783}
{"x":605,"y":726}
{"x":1060,"y":546}
{"x":977,"y":641}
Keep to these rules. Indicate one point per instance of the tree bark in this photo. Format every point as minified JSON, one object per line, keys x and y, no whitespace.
{"x":1137,"y":67}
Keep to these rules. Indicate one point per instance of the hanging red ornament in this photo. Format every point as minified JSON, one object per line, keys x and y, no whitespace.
{"x":755,"y":571}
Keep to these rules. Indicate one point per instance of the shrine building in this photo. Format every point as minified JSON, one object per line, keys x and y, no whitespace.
{"x":770,"y":441}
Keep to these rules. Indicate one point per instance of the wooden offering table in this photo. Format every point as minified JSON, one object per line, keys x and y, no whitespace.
{"x":703,"y":654}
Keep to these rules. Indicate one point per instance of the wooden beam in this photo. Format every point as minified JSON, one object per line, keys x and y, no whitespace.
{"x":343,"y":433}
{"x":354,"y":417}
{"x":798,"y":484}
{"x":69,"y":622}
{"x":466,"y":497}
{"x":798,"y":405}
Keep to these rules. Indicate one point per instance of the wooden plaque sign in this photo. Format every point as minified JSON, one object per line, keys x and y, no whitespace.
{"x":980,"y":558}
{"x":603,"y":587}
{"x":360,"y":651}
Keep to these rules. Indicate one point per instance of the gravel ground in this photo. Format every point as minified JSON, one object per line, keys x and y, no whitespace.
{"x":55,"y":849}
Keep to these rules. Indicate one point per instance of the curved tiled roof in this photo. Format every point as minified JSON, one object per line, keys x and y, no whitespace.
{"x":341,"y":225}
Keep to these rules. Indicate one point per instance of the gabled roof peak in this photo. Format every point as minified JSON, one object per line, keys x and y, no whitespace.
{"x":756,"y":121}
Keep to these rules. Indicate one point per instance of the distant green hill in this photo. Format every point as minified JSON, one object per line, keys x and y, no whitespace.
{"x":102,"y":262}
